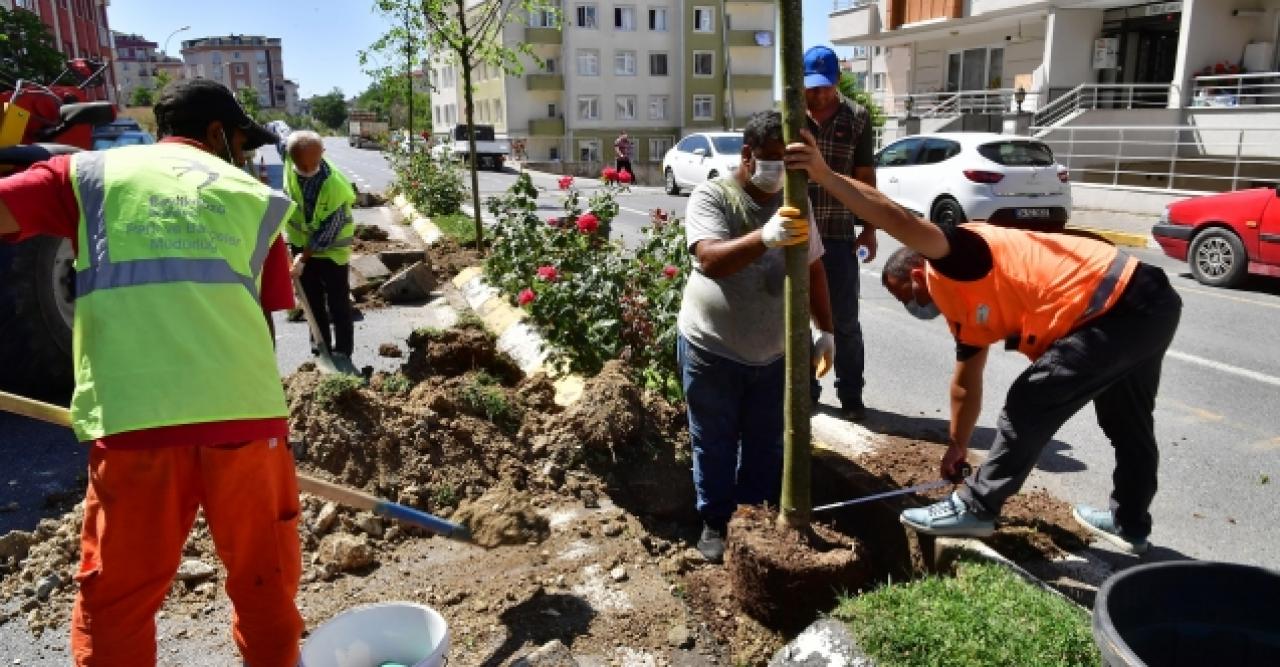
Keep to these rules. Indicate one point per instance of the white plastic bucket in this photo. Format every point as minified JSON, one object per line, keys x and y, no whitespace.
{"x":371,"y":635}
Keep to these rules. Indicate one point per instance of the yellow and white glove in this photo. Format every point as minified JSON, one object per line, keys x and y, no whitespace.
{"x":785,"y":228}
{"x":298,"y":265}
{"x":824,"y":352}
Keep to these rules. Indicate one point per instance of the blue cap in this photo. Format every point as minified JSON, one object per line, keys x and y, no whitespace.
{"x":821,"y":67}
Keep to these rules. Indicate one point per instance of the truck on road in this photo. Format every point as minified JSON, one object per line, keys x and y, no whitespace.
{"x":491,"y":152}
{"x":364,"y":129}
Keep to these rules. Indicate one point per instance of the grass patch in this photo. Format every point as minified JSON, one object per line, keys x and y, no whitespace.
{"x":430,"y":333}
{"x":457,"y":226}
{"x":484,"y":396}
{"x":396,"y":385}
{"x":984,"y":616}
{"x":334,"y":388}
{"x":444,"y":496}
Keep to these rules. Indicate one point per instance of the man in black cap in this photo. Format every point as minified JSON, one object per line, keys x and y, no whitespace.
{"x":177,"y":393}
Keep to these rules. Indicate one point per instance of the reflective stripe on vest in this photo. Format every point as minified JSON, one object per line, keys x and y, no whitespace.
{"x":103,"y":273}
{"x":1107,"y":287}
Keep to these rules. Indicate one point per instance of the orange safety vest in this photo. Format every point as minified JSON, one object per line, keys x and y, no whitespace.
{"x":1040,"y":288}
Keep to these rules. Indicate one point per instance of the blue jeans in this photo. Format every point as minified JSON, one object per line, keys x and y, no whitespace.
{"x":842,"y":268}
{"x":735,"y":422}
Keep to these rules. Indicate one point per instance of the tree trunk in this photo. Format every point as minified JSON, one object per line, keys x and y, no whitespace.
{"x":468,"y":94}
{"x":795,"y":503}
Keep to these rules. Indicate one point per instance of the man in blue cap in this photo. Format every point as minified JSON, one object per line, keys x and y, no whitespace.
{"x":844,"y":134}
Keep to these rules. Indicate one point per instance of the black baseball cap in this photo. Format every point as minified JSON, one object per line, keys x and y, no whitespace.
{"x":204,"y":101}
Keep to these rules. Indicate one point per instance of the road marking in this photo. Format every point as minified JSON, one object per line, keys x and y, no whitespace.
{"x":1226,"y":368}
{"x":632,"y":210}
{"x":1229,"y":297}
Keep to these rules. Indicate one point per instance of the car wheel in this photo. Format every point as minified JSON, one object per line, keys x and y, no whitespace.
{"x":1217,"y":258}
{"x":713,"y":175}
{"x":39,"y":278}
{"x":673,"y":188}
{"x":947,"y":213}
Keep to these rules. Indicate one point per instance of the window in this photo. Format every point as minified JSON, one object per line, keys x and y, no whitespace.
{"x":551,"y":110}
{"x":543,"y":18}
{"x":626,"y":107}
{"x":588,"y":63}
{"x":938,"y":150}
{"x":657,"y":64}
{"x":497,"y":110}
{"x":29,"y":5}
{"x":877,"y":50}
{"x":437,"y":115}
{"x":658,"y":105}
{"x":859,"y":52}
{"x":1018,"y":153}
{"x":624,"y":63}
{"x":693,"y":142}
{"x":658,"y":19}
{"x":704,"y":107}
{"x":624,"y":18}
{"x":589,"y":107}
{"x":589,"y":150}
{"x":704,"y":19}
{"x":877,"y":82}
{"x":899,"y":154}
{"x":261,"y":56}
{"x":217,"y":58}
{"x":658,"y":147}
{"x":975,"y":69}
{"x":586,"y":16}
{"x":549,"y":66}
{"x":235,"y":55}
{"x":704,"y":63}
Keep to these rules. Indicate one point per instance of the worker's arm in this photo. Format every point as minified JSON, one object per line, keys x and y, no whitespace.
{"x":8,"y":223}
{"x":324,"y":239}
{"x":724,"y":257}
{"x":867,"y":202}
{"x":966,"y":405}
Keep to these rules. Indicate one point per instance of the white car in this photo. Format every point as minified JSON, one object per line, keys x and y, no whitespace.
{"x":701,"y":157}
{"x":956,"y":177}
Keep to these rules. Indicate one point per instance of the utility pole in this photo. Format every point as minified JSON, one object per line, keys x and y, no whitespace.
{"x":728,"y":66}
{"x":408,"y":57}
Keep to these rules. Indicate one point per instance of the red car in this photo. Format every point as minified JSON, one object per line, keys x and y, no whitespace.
{"x":1224,"y":237}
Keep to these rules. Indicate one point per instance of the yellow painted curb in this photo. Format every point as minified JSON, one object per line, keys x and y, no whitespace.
{"x":498,"y":316}
{"x":1119,"y":238}
{"x":466,"y":275}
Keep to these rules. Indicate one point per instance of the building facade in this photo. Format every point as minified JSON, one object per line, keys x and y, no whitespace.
{"x":658,"y":69}
{"x":238,"y":62}
{"x":80,"y":30}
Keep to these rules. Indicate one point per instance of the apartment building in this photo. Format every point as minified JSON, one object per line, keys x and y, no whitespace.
{"x":657,"y":68}
{"x":137,"y":63}
{"x":80,"y":30}
{"x":238,"y":62}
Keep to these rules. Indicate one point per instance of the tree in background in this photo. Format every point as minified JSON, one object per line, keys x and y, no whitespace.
{"x":163,"y":79}
{"x":386,"y":98}
{"x":142,"y":97}
{"x":848,"y":87}
{"x":330,"y":108}
{"x":403,"y":50}
{"x":26,"y":48}
{"x":248,"y":98}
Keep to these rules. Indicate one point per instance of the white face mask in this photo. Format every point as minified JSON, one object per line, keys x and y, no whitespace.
{"x":921,"y":312}
{"x":306,"y":174}
{"x":768,"y":175}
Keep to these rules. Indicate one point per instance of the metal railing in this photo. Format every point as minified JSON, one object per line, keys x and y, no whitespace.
{"x":1184,"y":158}
{"x":838,"y":5}
{"x":951,"y":104}
{"x":1234,"y":90}
{"x":1089,"y":96}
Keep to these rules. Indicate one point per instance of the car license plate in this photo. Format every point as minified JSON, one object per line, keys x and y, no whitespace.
{"x":1025,"y":213}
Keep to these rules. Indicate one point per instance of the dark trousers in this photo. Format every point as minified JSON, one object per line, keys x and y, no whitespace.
{"x":1113,"y":362}
{"x":735,"y":423}
{"x":842,"y":267}
{"x":624,"y":164}
{"x":328,"y":292}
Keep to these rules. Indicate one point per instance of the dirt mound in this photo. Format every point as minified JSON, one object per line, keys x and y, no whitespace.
{"x":448,"y":258}
{"x":502,"y":517}
{"x":456,"y":351}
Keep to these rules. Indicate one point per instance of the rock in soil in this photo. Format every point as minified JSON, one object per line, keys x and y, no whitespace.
{"x":390,"y":351}
{"x":193,"y":572}
{"x":784,"y":577}
{"x":680,"y":637}
{"x":826,"y":643}
{"x":502,"y":517}
{"x":345,"y":553}
{"x":326,"y":518}
{"x":411,"y":284}
{"x":551,"y":654}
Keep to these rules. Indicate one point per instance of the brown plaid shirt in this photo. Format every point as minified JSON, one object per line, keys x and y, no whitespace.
{"x":846,"y":142}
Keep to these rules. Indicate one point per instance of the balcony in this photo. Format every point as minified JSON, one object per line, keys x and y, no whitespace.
{"x":543,"y":35}
{"x":546,"y":127}
{"x":544,"y":82}
{"x":748,"y":38}
{"x":752,"y":82}
{"x":853,"y":21}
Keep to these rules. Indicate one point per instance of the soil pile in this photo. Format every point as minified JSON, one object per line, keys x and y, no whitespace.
{"x":500,"y":517}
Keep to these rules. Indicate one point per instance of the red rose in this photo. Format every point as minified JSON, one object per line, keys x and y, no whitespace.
{"x":670,"y":272}
{"x":588,"y":223}
{"x":553,"y":222}
{"x":624,"y":177}
{"x":526,"y":297}
{"x":566,"y":182}
{"x":548,"y":273}
{"x":609,"y":174}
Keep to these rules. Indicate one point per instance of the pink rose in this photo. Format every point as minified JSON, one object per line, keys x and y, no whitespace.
{"x":609,"y":174}
{"x":624,"y":177}
{"x":670,"y":272}
{"x":588,"y":223}
{"x":566,"y":182}
{"x":553,"y":222}
{"x":548,"y":273}
{"x":526,"y":297}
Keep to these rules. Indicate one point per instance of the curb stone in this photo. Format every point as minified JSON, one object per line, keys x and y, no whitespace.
{"x":1127,"y":239}
{"x":516,"y":337}
{"x":825,"y":643}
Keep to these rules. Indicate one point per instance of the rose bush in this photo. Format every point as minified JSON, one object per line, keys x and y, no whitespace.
{"x":434,"y":186}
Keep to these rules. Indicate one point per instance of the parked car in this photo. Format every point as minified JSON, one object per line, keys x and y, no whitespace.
{"x":1224,"y":237}
{"x":956,"y":177}
{"x":107,"y":132}
{"x":701,"y":157}
{"x":491,"y":150}
{"x":129,"y":138}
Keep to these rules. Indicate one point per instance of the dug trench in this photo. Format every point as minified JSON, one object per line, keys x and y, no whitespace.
{"x":588,"y":509}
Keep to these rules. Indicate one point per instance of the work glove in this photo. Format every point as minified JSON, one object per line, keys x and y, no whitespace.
{"x":785,"y":228}
{"x":824,"y":352}
{"x":298,"y":265}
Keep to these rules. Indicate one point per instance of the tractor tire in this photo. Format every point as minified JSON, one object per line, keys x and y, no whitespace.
{"x":37,"y":294}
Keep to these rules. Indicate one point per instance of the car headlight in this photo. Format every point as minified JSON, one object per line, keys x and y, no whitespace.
{"x":1164,"y":217}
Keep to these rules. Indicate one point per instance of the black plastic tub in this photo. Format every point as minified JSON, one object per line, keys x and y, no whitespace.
{"x":1189,"y":613}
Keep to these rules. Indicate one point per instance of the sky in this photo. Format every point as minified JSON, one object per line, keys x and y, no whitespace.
{"x":321,"y":38}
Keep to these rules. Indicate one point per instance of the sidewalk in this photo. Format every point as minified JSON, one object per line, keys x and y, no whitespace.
{"x":1123,"y":229}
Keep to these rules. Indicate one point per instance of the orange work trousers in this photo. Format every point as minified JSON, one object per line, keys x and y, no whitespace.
{"x":139,"y":508}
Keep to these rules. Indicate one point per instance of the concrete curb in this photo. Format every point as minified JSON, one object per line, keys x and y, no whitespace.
{"x":1127,"y":239}
{"x":516,"y":337}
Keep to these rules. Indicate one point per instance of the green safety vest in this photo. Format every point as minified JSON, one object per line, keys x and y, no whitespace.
{"x":169,"y":328}
{"x":336,"y":193}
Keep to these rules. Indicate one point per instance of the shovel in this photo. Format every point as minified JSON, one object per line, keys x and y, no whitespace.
{"x":342,"y":495}
{"x":964,"y":471}
{"x":325,"y":361}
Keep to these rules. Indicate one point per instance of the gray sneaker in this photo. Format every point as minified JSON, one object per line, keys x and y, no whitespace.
{"x":950,"y":517}
{"x":1103,"y":524}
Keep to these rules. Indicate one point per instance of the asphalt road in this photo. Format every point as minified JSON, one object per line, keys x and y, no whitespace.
{"x":1215,"y":416}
